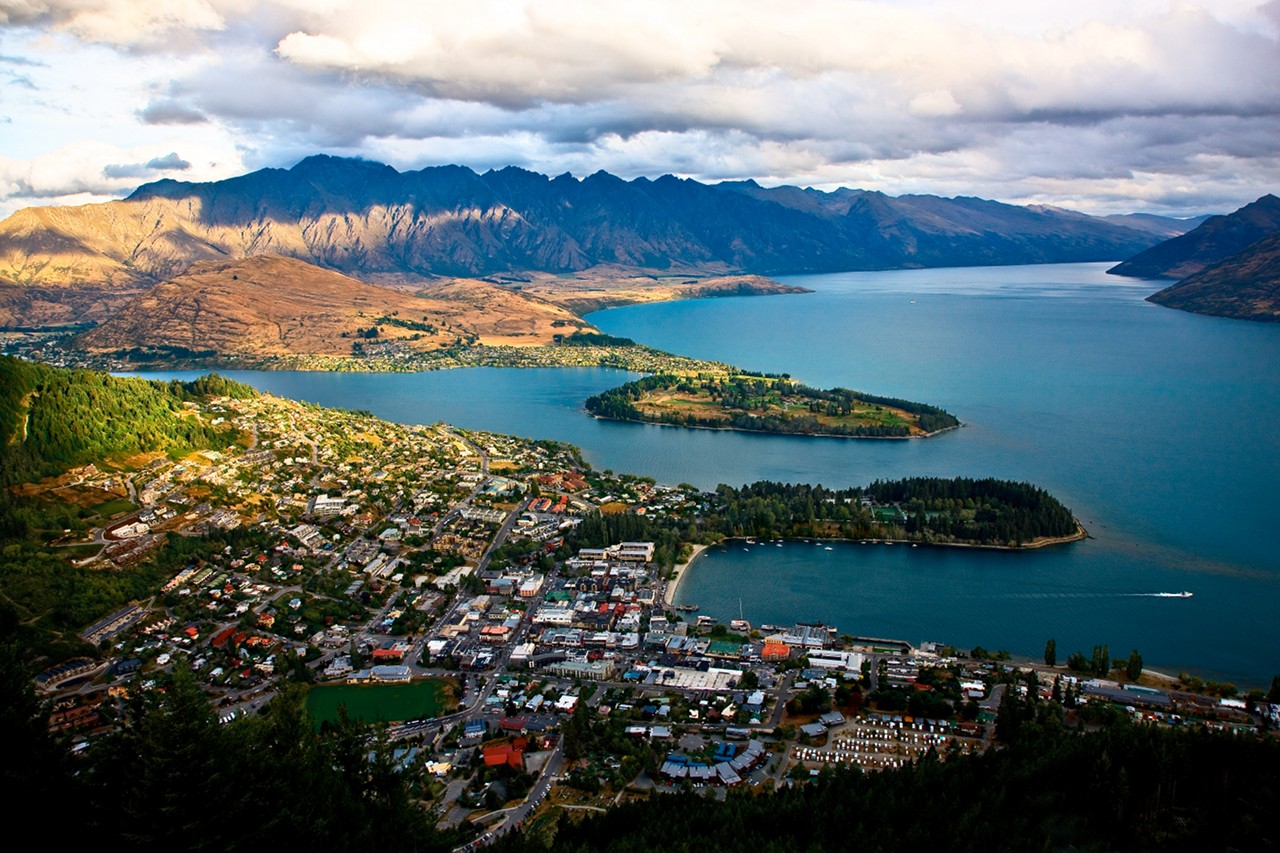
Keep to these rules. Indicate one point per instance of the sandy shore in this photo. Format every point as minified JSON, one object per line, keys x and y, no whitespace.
{"x":677,"y":574}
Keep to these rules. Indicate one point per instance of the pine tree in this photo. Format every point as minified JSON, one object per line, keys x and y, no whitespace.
{"x":1133,"y":669}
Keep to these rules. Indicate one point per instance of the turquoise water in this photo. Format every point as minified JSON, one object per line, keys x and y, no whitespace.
{"x":1158,"y":428}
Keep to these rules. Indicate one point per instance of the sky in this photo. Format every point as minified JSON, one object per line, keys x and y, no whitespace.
{"x":1096,"y":105}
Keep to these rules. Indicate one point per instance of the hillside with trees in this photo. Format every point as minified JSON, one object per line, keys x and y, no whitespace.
{"x":1125,"y":787}
{"x":53,"y":419}
{"x":172,"y":778}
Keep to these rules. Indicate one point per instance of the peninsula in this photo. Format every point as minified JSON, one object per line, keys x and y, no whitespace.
{"x":755,"y":402}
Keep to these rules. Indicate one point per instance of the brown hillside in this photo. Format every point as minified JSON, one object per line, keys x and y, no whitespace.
{"x":118,"y":244}
{"x":1245,"y":286}
{"x":272,"y":306}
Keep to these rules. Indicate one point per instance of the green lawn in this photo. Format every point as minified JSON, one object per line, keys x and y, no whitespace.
{"x":379,"y":702}
{"x":115,"y":507}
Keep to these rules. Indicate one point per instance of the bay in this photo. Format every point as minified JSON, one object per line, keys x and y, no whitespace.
{"x":1157,"y":427}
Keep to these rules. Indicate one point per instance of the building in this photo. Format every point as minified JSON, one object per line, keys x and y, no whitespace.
{"x":323,"y":506}
{"x":636,"y":552}
{"x":594,"y":670}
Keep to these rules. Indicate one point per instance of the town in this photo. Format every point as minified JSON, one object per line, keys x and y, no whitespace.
{"x":452,"y":586}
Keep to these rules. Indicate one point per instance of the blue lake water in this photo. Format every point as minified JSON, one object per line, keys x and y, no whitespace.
{"x":1159,"y":428}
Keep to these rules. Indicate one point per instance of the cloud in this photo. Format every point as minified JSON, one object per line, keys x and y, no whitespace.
{"x":169,"y":162}
{"x":21,"y":60}
{"x":993,"y":97}
{"x":170,"y":111}
{"x":87,"y":172}
{"x":116,"y":22}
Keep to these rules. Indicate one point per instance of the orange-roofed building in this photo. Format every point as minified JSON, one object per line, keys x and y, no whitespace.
{"x":775,"y":652}
{"x":220,"y":639}
{"x":511,"y":754}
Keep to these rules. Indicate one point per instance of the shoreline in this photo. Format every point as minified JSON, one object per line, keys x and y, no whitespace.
{"x":677,"y":575}
{"x":772,"y":432}
{"x":1034,"y":545}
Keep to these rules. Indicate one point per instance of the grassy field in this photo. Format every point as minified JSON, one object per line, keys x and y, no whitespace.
{"x":701,"y":404}
{"x":114,"y":507}
{"x":390,"y":703}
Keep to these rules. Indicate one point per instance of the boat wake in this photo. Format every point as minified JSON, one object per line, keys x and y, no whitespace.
{"x":1067,"y":595}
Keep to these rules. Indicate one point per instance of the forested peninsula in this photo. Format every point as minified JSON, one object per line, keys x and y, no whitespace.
{"x":985,"y":513}
{"x":755,"y":402}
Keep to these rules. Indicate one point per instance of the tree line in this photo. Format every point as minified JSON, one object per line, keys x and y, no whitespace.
{"x":172,"y":778}
{"x":1124,"y":787}
{"x":923,"y":509}
{"x":928,"y":509}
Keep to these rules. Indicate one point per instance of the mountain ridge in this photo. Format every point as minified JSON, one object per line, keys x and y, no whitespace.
{"x":368,"y":220}
{"x":1210,"y":243}
{"x":1245,"y":286}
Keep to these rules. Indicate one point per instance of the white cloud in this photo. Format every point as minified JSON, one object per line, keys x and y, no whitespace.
{"x":1004,"y":98}
{"x":86,"y":171}
{"x":116,"y":22}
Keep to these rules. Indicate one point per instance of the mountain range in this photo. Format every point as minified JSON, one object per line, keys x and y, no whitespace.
{"x":1212,"y":241}
{"x":1245,"y":286}
{"x":1228,"y":266}
{"x":373,"y":222}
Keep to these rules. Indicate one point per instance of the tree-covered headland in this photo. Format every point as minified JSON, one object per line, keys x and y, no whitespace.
{"x":770,"y":404}
{"x":927,"y":510}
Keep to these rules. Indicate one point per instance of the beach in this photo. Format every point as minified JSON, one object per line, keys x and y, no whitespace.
{"x":677,"y":574}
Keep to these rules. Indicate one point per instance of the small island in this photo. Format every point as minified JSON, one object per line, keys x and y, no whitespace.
{"x":757,"y":402}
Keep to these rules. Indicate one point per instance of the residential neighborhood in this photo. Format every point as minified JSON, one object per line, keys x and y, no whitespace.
{"x":522,"y":668}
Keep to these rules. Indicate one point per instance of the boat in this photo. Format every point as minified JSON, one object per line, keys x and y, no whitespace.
{"x":1183,"y":594}
{"x":688,"y":608}
{"x":828,"y":548}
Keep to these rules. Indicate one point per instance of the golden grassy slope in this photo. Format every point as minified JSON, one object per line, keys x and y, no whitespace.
{"x":273,"y":306}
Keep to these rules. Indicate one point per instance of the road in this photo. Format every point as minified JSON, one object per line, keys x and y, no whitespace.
{"x":516,"y":815}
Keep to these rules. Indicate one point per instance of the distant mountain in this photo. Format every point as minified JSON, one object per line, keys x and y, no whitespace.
{"x":1245,"y":286}
{"x":370,"y":221}
{"x":1214,"y":240}
{"x":1164,"y":227}
{"x":268,"y":306}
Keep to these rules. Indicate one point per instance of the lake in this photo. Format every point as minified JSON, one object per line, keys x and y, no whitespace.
{"x":1157,"y":427}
